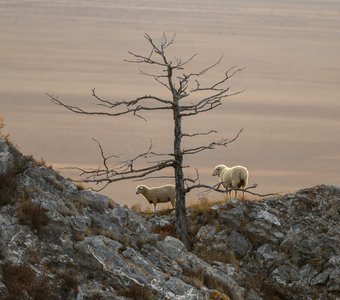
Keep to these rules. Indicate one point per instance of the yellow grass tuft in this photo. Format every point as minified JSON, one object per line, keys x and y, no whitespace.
{"x":136,"y":207}
{"x":204,"y":204}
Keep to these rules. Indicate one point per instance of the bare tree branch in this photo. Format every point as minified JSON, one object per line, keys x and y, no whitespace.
{"x":198,"y":133}
{"x":124,"y":169}
{"x":217,"y":189}
{"x":124,"y":107}
{"x":105,"y":158}
{"x":212,"y":145}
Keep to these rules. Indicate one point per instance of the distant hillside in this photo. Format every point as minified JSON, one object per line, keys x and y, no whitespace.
{"x":58,"y":242}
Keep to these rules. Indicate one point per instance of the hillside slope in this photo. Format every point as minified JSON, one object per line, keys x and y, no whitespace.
{"x":58,"y":242}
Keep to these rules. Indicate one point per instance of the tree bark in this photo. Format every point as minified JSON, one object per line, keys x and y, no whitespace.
{"x":181,"y":220}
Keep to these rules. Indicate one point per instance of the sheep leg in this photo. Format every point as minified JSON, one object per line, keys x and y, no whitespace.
{"x":228,"y":194}
{"x":154,"y":208}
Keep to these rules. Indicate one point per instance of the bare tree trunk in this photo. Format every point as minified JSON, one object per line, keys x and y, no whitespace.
{"x":181,"y":220}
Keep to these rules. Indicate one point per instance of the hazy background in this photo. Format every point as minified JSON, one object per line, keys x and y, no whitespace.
{"x":290,"y":111}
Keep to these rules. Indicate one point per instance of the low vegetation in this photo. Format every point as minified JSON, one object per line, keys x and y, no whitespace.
{"x":137,"y":292}
{"x":32,"y":214}
{"x":21,"y":279}
{"x":8,"y":189}
{"x":164,"y":231}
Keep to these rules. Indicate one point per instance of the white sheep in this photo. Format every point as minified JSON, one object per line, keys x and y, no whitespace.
{"x":160,"y":194}
{"x":232,"y":178}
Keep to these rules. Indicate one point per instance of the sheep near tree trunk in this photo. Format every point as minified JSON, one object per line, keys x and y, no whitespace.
{"x":170,"y":73}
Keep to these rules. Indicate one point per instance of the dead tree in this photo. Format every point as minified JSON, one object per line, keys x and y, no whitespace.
{"x":180,"y":85}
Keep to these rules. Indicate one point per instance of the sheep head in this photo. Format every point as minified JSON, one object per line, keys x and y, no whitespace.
{"x":218,"y":169}
{"x":140,"y":189}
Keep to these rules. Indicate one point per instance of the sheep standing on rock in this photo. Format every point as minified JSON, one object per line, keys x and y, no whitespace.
{"x":232,"y":178}
{"x":161,"y":194}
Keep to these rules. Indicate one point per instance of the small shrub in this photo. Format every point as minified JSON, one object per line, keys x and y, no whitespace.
{"x":216,"y":295}
{"x":112,"y":204}
{"x":33,"y":256}
{"x":195,"y":279}
{"x":165,"y":230}
{"x":69,"y":282}
{"x":54,"y":183}
{"x":32,"y":214}
{"x":1,"y":122}
{"x":40,"y":163}
{"x":136,"y":208}
{"x":20,"y":278}
{"x":210,"y":255}
{"x":204,"y":205}
{"x":8,"y":189}
{"x":8,"y":181}
{"x":79,"y":185}
{"x":80,"y":203}
{"x":138,"y":292}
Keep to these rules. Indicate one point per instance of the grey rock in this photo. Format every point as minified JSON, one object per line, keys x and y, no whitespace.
{"x":174,"y":288}
{"x":216,"y":278}
{"x":263,"y":214}
{"x":3,"y":290}
{"x":240,"y":245}
{"x":11,"y":160}
{"x":171,"y":247}
{"x":252,"y":295}
{"x":205,"y":233}
{"x":322,"y":277}
{"x":99,"y":252}
{"x":97,"y":202}
{"x":232,"y":218}
{"x":160,"y":261}
{"x":267,"y":257}
{"x":333,"y":285}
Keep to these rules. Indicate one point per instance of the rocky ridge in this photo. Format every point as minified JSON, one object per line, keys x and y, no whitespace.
{"x":60,"y":242}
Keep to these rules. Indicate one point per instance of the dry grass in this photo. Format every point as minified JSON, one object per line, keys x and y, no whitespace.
{"x":39,"y":163}
{"x":8,"y":181}
{"x":112,"y":204}
{"x":69,"y":281}
{"x":54,"y":183}
{"x":32,"y":214}
{"x":165,"y":230}
{"x":21,"y":278}
{"x":195,"y":279}
{"x":216,"y":295}
{"x":204,"y":204}
{"x":138,"y":292}
{"x":8,"y":189}
{"x":80,"y":203}
{"x":137,"y":208}
{"x":78,"y":184}
{"x":210,"y":255}
{"x":1,"y":122}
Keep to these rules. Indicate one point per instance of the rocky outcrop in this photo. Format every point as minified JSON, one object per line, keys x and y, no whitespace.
{"x":59,"y":242}
{"x":286,"y":247}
